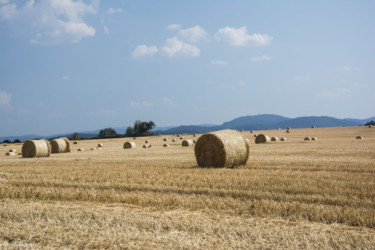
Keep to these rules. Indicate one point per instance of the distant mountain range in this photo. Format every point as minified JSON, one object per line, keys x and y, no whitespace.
{"x":255,"y":122}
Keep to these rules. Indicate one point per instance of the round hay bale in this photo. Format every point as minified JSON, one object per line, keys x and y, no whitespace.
{"x":75,"y":142}
{"x":134,"y":138}
{"x":10,"y":153}
{"x":80,"y":149}
{"x":307,"y":138}
{"x":61,"y":145}
{"x":255,"y":135}
{"x":181,"y":138}
{"x":92,"y":148}
{"x":12,"y":150}
{"x":312,"y":126}
{"x":194,"y":135}
{"x":370,"y":126}
{"x":147,"y":141}
{"x":4,"y":145}
{"x":314,"y":139}
{"x":275,"y":138}
{"x":251,"y":131}
{"x":194,"y":141}
{"x":178,"y":135}
{"x":279,"y":129}
{"x":288,"y":131}
{"x":283,"y":139}
{"x":221,"y":149}
{"x":128,"y":145}
{"x":36,"y":148}
{"x":146,"y":145}
{"x":289,"y":128}
{"x":261,"y":138}
{"x":242,"y":130}
{"x":174,"y":140}
{"x":166,"y":145}
{"x":187,"y":143}
{"x":100,"y":145}
{"x":165,"y":139}
{"x":359,"y":137}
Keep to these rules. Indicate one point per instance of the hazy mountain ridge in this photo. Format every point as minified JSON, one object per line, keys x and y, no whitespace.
{"x":255,"y":122}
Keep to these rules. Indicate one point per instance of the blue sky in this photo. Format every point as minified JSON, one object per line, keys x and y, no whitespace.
{"x":70,"y":66}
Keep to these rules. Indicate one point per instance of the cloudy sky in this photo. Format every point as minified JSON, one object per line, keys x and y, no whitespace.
{"x":70,"y":66}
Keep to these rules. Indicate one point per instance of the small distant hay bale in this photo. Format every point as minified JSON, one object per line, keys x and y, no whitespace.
{"x":61,"y":145}
{"x":12,"y":150}
{"x":194,"y":141}
{"x":194,"y":135}
{"x":147,"y":141}
{"x":174,"y":140}
{"x":279,"y":129}
{"x":36,"y":148}
{"x":307,"y":138}
{"x":312,"y":126}
{"x":178,"y":135}
{"x":255,"y":135}
{"x":314,"y":138}
{"x":134,"y":138}
{"x":128,"y":145}
{"x":187,"y":143}
{"x":181,"y":138}
{"x":289,"y":128}
{"x":80,"y":149}
{"x":100,"y":145}
{"x":146,"y":145}
{"x":283,"y":139}
{"x":288,"y":131}
{"x":10,"y":153}
{"x":222,"y":149}
{"x":251,"y":131}
{"x":166,"y":145}
{"x":92,"y":148}
{"x":261,"y":138}
{"x":370,"y":126}
{"x":359,"y":137}
{"x":165,"y":139}
{"x":75,"y":142}
{"x":242,"y":130}
{"x":275,"y":138}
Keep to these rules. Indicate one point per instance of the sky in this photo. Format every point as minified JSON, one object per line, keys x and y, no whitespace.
{"x":69,"y":66}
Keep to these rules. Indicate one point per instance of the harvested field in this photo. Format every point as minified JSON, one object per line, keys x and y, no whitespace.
{"x":289,"y":195}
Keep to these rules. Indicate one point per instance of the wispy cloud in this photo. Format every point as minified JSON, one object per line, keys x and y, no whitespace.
{"x":5,"y":98}
{"x":174,"y":27}
{"x":241,"y":37}
{"x":176,"y":48}
{"x":106,"y":30}
{"x":4,"y":1}
{"x":169,"y":102}
{"x":65,"y":78}
{"x":260,"y":58}
{"x":347,"y":68}
{"x":8,"y":12}
{"x":144,"y":51}
{"x":302,"y":78}
{"x":143,"y":104}
{"x":333,"y":93}
{"x":194,"y":34}
{"x":219,"y":62}
{"x":111,"y":11}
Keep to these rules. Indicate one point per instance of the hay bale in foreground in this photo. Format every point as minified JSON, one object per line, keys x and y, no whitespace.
{"x":275,"y":138}
{"x":166,"y":145}
{"x":314,"y":139}
{"x":307,"y":138}
{"x":221,"y":149}
{"x":283,"y":139}
{"x":100,"y":145}
{"x":61,"y":145}
{"x":359,"y":137}
{"x":187,"y":143}
{"x":261,"y":138}
{"x":128,"y":145}
{"x":36,"y":148}
{"x":10,"y":153}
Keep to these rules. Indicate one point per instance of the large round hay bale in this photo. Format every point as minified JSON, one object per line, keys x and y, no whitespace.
{"x":225,"y":148}
{"x":174,"y":140}
{"x":275,"y":138}
{"x":10,"y":153}
{"x":307,"y":138}
{"x":283,"y":139}
{"x":187,"y":143}
{"x":130,"y":144}
{"x":165,"y":139}
{"x":166,"y":145}
{"x":261,"y":138}
{"x":36,"y":148}
{"x":314,"y":138}
{"x":359,"y":137}
{"x":100,"y":145}
{"x":61,"y":145}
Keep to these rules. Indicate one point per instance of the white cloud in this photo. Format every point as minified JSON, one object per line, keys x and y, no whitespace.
{"x":333,"y":93}
{"x":8,"y":12}
{"x":175,"y":48}
{"x":174,"y":27}
{"x":219,"y":62}
{"x":111,"y":11}
{"x":194,"y":34}
{"x":4,"y":1}
{"x":52,"y":21}
{"x":106,"y":30}
{"x":260,"y":58}
{"x":65,"y":78}
{"x":240,"y":37}
{"x":347,"y":68}
{"x":169,"y":102}
{"x":302,"y":78}
{"x":144,"y":50}
{"x":5,"y":98}
{"x":144,"y":104}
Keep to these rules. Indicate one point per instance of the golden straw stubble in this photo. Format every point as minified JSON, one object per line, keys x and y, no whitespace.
{"x":222,"y":149}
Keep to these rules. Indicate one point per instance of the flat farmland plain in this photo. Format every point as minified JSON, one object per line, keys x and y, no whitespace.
{"x":293,"y":194}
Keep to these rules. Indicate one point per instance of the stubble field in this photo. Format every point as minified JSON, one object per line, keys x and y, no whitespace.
{"x":293,"y":194}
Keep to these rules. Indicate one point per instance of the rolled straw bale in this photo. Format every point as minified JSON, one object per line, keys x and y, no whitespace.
{"x":12,"y":150}
{"x":92,"y":148}
{"x":275,"y":138}
{"x":147,"y":141}
{"x":255,"y":135}
{"x":10,"y":153}
{"x":312,"y":126}
{"x":359,"y":137}
{"x":225,"y":148}
{"x":174,"y":140}
{"x":75,"y":142}
{"x":279,"y":129}
{"x":4,"y":145}
{"x":165,"y":139}
{"x":307,"y":138}
{"x":130,"y":144}
{"x":80,"y":149}
{"x":181,"y":138}
{"x":146,"y":145}
{"x":261,"y":138}
{"x":36,"y":148}
{"x":194,"y":141}
{"x":165,"y":145}
{"x":251,"y":131}
{"x":134,"y":138}
{"x":177,"y":135}
{"x":100,"y":145}
{"x":194,"y":135}
{"x":187,"y":143}
{"x":314,"y":139}
{"x":61,"y":145}
{"x":242,"y":130}
{"x":288,"y":131}
{"x":370,"y":126}
{"x":289,"y":128}
{"x":283,"y":139}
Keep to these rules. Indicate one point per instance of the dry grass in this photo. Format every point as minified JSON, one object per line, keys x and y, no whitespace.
{"x":288,"y":195}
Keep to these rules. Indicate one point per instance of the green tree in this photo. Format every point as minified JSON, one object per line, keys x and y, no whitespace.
{"x":370,"y":123}
{"x":129,"y":132}
{"x":140,"y":128}
{"x":107,"y":133}
{"x":7,"y":141}
{"x":76,"y":136}
{"x":16,"y":141}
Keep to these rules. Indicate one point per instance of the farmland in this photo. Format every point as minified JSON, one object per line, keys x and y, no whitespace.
{"x":293,"y":194}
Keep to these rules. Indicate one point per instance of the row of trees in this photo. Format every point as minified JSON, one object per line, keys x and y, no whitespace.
{"x":140,"y":128}
{"x":15,"y":141}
